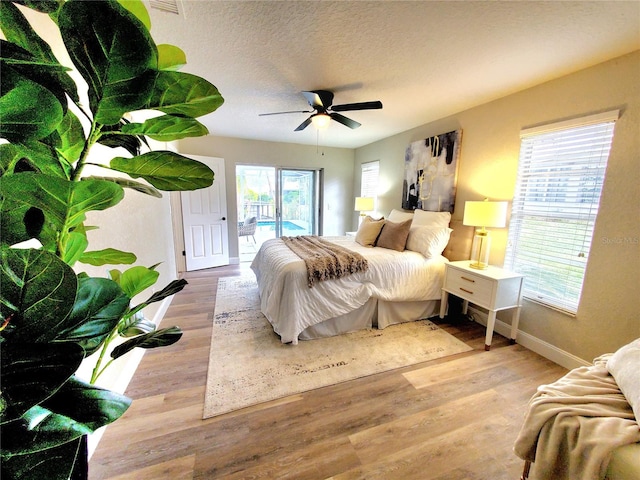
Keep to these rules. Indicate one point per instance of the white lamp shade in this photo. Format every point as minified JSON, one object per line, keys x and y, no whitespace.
{"x":364,"y":204}
{"x":485,"y":214}
{"x":320,"y":120}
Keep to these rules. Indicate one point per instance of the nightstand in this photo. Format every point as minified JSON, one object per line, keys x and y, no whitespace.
{"x":493,"y":288}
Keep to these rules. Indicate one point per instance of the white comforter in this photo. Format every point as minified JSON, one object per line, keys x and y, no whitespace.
{"x":291,"y":306}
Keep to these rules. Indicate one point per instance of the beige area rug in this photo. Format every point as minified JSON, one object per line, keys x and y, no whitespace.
{"x":249,"y":365}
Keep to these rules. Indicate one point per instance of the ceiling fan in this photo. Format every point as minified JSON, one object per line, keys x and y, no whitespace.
{"x":324,"y":110}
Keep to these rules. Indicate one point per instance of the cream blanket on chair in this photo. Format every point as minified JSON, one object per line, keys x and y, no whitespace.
{"x":574,"y":424}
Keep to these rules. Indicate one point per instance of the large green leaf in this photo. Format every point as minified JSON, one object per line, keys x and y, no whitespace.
{"x":46,"y":73}
{"x":38,"y":290}
{"x":170,"y":57}
{"x":181,"y":93}
{"x":76,"y":409}
{"x":29,"y":110}
{"x":64,"y":202}
{"x":130,"y":143}
{"x":139,"y":10}
{"x":44,"y":6}
{"x":35,"y":156}
{"x":112,"y":136}
{"x":135,"y":325}
{"x":56,"y":463}
{"x":18,"y":31}
{"x":136,"y":279}
{"x":9,"y":158}
{"x":166,"y":170}
{"x":74,"y":247}
{"x":72,"y":140}
{"x":114,"y":53}
{"x":99,"y":406}
{"x":20,"y":223}
{"x":159,"y":338}
{"x":33,"y":372}
{"x":167,"y":128}
{"x":133,"y":185}
{"x":99,"y":306}
{"x":107,"y":256}
{"x":174,"y":287}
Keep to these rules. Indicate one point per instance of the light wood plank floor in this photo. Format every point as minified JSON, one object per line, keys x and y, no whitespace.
{"x":454,"y":418}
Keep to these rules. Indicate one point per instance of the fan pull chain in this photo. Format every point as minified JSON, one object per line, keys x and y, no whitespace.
{"x":318,"y":142}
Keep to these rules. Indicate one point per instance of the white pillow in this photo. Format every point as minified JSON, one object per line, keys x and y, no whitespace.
{"x":432,"y":219}
{"x":624,"y":366}
{"x":429,"y":241}
{"x":399,"y":216}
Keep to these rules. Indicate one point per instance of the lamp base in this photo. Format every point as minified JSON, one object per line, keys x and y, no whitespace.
{"x":479,"y":265}
{"x":480,"y":250}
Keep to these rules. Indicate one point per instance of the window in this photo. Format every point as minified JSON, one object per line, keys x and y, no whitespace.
{"x":560,"y":175}
{"x":369,"y":179}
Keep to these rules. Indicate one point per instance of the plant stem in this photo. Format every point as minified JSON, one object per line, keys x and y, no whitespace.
{"x":103,"y":369}
{"x":92,"y":138}
{"x":97,"y":371}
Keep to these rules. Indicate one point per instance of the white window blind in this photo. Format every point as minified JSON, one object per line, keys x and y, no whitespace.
{"x":369,"y":179}
{"x":560,"y":175}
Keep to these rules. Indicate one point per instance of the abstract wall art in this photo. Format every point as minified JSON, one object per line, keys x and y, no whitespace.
{"x":430,"y":173}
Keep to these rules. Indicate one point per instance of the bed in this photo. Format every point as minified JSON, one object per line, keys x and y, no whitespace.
{"x":398,"y":286}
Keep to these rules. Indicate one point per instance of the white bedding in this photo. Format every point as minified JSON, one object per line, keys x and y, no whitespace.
{"x":291,"y":306}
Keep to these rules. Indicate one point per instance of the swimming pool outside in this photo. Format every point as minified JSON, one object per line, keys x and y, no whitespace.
{"x":286,"y":225}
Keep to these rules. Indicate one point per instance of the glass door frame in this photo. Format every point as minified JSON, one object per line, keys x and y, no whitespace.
{"x":315,"y":196}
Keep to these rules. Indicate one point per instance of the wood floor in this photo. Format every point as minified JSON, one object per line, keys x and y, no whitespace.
{"x":454,"y":418}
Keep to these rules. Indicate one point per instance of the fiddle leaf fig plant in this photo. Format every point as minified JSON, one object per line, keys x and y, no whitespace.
{"x":52,"y":314}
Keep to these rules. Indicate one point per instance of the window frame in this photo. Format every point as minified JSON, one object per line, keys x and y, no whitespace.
{"x":561,"y":172}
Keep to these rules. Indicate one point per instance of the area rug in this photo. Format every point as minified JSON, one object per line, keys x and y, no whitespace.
{"x":249,"y":364}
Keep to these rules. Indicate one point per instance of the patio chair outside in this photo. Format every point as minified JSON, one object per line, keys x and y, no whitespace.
{"x":248,"y":228}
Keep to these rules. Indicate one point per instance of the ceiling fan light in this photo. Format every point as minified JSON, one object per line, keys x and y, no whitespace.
{"x":320,"y":120}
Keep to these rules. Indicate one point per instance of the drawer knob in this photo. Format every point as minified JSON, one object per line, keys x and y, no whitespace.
{"x":465,"y":290}
{"x":468,"y":279}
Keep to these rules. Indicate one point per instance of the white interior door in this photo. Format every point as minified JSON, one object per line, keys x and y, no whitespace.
{"x":204,"y":219}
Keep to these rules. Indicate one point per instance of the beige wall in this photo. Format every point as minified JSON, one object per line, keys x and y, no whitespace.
{"x":607,"y":317}
{"x":337,"y":164}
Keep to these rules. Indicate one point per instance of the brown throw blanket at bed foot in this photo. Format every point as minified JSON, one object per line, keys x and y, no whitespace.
{"x":325,"y":260}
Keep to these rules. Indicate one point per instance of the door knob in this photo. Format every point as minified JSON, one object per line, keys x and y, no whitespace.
{"x":224,"y":218}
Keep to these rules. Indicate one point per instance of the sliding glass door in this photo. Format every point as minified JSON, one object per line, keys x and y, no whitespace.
{"x":284,"y":201}
{"x":298,"y":210}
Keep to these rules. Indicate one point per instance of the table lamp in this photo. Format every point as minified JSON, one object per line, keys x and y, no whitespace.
{"x":364,"y":204}
{"x":483,"y":214}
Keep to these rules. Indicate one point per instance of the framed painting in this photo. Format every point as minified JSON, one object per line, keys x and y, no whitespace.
{"x":430,"y":173}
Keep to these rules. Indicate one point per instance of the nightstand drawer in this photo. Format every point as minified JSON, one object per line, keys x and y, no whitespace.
{"x":471,"y":287}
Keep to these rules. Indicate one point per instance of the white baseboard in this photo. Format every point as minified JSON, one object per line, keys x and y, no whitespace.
{"x":121,"y":383}
{"x":547,"y":350}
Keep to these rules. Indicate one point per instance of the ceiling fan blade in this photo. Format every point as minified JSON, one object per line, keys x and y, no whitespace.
{"x":282,"y":113}
{"x":344,"y":120}
{"x":303,"y":125}
{"x":319,"y":99}
{"x":357,"y":106}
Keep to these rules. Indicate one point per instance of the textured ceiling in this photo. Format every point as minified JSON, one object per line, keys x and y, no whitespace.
{"x":423,"y":59}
